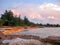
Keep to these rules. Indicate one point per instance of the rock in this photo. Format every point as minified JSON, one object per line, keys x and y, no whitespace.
{"x":19,"y":41}
{"x":51,"y":39}
{"x":2,"y":36}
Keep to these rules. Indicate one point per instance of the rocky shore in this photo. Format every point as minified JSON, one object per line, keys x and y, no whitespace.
{"x":50,"y":39}
{"x":55,"y":40}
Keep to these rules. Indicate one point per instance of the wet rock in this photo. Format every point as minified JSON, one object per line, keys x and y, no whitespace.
{"x":52,"y":40}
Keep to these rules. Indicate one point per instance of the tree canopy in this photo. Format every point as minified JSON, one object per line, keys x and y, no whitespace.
{"x":9,"y":19}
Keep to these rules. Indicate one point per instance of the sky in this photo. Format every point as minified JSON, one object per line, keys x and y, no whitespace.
{"x":37,"y":11}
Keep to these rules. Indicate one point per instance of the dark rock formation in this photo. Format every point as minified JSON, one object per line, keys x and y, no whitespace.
{"x":52,"y":39}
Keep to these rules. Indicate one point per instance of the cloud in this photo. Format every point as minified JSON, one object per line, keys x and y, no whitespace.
{"x":51,"y":17}
{"x":43,"y":13}
{"x":49,"y":7}
{"x":16,"y":12}
{"x":58,"y":3}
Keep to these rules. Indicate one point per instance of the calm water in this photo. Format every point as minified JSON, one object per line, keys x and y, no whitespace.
{"x":42,"y":32}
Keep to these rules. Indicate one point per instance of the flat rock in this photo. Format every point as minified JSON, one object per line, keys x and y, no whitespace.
{"x":51,"y":39}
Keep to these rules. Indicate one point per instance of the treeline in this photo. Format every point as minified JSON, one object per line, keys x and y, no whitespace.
{"x":48,"y":25}
{"x":9,"y":19}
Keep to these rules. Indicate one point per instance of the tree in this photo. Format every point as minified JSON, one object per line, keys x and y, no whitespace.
{"x":18,"y":21}
{"x":1,"y":22}
{"x":8,"y":18}
{"x":41,"y":24}
{"x":26,"y":21}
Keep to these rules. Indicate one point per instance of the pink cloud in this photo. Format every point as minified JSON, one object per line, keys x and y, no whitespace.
{"x":16,"y":12}
{"x":57,"y":2}
{"x":34,"y":12}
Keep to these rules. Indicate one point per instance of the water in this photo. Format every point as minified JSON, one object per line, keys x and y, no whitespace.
{"x":42,"y":32}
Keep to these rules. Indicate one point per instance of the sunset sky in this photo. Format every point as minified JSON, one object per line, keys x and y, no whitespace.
{"x":38,"y":11}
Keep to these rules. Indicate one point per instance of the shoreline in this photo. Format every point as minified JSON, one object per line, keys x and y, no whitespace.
{"x":46,"y":40}
{"x":49,"y":39}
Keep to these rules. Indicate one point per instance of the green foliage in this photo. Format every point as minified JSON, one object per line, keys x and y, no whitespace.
{"x":26,"y":21}
{"x":9,"y":20}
